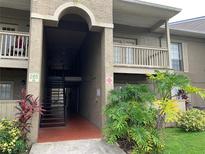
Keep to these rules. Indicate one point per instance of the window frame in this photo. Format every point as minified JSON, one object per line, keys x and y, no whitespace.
{"x":180,"y":56}
{"x":12,"y":89}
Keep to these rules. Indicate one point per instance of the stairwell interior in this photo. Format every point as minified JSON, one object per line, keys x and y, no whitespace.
{"x":71,"y":73}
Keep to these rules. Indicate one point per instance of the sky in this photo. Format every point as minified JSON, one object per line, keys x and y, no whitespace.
{"x":190,"y":8}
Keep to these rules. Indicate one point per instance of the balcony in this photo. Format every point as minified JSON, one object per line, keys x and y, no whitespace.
{"x":14,"y":49}
{"x":136,"y":59}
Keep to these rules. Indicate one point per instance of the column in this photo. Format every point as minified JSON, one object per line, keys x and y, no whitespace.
{"x":34,"y":69}
{"x":107,"y":82}
{"x":168,"y":42}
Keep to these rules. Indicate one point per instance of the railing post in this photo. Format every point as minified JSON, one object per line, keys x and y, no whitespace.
{"x":1,"y":44}
{"x":168,"y":43}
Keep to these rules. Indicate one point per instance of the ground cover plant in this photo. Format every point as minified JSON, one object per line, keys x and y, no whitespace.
{"x":11,"y":140}
{"x":178,"y":141}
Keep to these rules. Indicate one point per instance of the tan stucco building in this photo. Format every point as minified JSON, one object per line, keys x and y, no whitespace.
{"x":70,"y":53}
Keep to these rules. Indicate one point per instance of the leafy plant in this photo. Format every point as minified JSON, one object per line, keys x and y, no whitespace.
{"x":11,"y":141}
{"x":26,"y":107}
{"x":163,"y":83}
{"x":192,"y":120}
{"x":131,"y":120}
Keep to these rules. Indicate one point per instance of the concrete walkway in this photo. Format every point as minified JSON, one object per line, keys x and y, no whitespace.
{"x":91,"y":146}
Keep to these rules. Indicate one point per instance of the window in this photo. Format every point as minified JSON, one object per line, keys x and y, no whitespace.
{"x":6,"y":90}
{"x":176,"y":56}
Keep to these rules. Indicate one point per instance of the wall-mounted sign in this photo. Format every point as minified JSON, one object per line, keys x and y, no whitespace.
{"x":98,"y":92}
{"x":34,"y":77}
{"x":109,"y":81}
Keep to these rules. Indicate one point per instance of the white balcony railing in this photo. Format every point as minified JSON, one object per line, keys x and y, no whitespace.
{"x":141,"y":56}
{"x":14,"y":45}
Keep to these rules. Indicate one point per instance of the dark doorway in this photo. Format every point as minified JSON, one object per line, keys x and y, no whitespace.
{"x":72,"y":60}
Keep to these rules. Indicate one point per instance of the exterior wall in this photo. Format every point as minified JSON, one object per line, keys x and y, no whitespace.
{"x":195,"y":50}
{"x":142,"y":36}
{"x":90,"y":104}
{"x":48,"y":8}
{"x":15,"y":17}
{"x":17,"y":77}
{"x":7,"y":109}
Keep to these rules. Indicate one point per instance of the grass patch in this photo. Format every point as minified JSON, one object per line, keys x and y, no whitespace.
{"x":179,"y":142}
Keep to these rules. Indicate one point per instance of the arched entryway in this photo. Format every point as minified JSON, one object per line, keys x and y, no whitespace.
{"x":72,"y":78}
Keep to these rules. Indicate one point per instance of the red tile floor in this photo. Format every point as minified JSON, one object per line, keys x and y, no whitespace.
{"x":76,"y":128}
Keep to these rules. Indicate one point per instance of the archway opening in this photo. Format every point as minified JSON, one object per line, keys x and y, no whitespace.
{"x":71,"y":61}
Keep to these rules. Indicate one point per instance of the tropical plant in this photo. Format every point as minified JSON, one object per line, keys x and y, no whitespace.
{"x":131,"y":120}
{"x":27,"y":106}
{"x":192,"y":120}
{"x":163,"y":83}
{"x":11,"y":141}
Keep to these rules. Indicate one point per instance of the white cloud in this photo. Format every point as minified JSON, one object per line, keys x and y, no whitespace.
{"x":190,"y":8}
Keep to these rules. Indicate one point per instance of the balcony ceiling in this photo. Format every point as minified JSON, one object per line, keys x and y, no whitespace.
{"x":141,"y":14}
{"x":16,"y":4}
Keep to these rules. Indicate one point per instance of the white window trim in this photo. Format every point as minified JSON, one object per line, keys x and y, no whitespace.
{"x":184,"y":54}
{"x":12,"y":87}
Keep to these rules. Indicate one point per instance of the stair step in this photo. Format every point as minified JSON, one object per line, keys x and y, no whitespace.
{"x":52,"y":120}
{"x":57,"y":124}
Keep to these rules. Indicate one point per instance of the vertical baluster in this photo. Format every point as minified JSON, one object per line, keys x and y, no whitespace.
{"x":134,"y":56}
{"x":10,"y":37}
{"x":164,"y":65}
{"x":18,"y":45}
{"x":5,"y":45}
{"x":1,"y":45}
{"x":151,"y":57}
{"x":161,"y":64}
{"x":26,"y":47}
{"x":121,"y":55}
{"x":14,"y":46}
{"x":157,"y":58}
{"x":140,"y":56}
{"x":143,"y":57}
{"x":146,"y":57}
{"x":22,"y":46}
{"x":124,"y":55}
{"x":167,"y":58}
{"x":161,"y":57}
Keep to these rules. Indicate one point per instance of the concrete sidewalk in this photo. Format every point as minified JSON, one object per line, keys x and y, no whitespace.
{"x":91,"y":146}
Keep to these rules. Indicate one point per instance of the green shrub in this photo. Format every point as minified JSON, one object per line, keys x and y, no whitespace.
{"x":192,"y":120}
{"x":131,"y":120}
{"x":11,"y":141}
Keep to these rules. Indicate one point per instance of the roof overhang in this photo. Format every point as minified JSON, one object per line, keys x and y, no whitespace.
{"x":184,"y":33}
{"x":142,"y":14}
{"x":187,"y":33}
